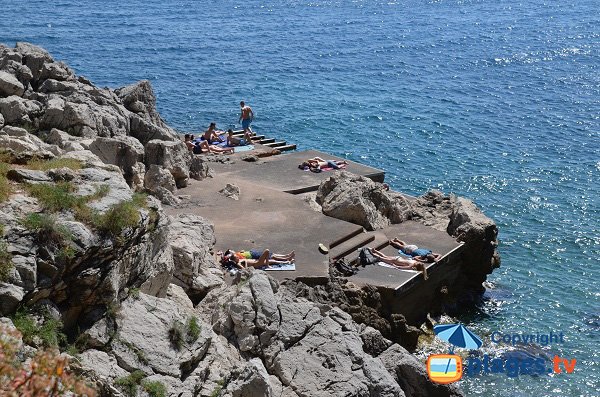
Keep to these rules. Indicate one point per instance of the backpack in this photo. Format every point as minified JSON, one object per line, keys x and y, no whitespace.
{"x":365,"y":257}
{"x":344,"y":268}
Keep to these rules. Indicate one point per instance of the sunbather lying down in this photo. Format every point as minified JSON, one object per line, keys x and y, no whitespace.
{"x":254,"y":258}
{"x":204,"y":146}
{"x":420,"y":254}
{"x":400,"y":262}
{"x":319,"y":163}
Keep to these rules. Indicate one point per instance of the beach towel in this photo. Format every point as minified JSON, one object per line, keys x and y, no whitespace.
{"x":383,"y":264}
{"x":425,"y":275}
{"x":279,"y":267}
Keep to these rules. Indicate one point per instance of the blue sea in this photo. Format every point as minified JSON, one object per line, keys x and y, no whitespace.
{"x":495,"y":100}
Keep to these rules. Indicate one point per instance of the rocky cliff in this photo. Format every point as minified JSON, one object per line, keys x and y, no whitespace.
{"x":90,"y":263}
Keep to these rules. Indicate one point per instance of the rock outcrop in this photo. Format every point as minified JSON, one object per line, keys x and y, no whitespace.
{"x":255,"y":338}
{"x":122,"y":127}
{"x":359,"y":200}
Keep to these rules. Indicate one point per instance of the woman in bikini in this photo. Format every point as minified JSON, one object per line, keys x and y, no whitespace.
{"x":254,"y":258}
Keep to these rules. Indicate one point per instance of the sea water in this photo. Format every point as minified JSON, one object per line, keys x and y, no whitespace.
{"x":497,"y":100}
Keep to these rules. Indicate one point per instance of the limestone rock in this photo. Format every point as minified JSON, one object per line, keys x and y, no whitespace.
{"x":315,"y":350}
{"x":63,"y":140}
{"x":199,"y":169}
{"x":17,"y":110}
{"x":359,"y":200}
{"x":139,"y":98}
{"x":34,"y":57}
{"x":156,"y":177}
{"x":102,"y":364}
{"x":1,"y":120}
{"x":143,"y":341}
{"x":24,"y":175}
{"x":196,"y":270}
{"x":10,"y":297}
{"x":123,"y":151}
{"x":231,"y":191}
{"x":172,"y":155}
{"x":9,"y":85}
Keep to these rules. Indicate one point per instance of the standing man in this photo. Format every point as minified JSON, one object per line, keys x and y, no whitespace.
{"x":246,"y":117}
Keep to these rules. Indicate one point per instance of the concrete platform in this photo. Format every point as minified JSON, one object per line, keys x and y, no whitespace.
{"x":282,"y":173}
{"x":267,"y":218}
{"x":411,"y":233}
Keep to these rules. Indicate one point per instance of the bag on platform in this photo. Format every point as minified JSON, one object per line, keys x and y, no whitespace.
{"x":365,"y":257}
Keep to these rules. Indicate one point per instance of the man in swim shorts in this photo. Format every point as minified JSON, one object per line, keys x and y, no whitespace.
{"x":246,"y":117}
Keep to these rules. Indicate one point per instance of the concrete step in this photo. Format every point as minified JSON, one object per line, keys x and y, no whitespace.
{"x":286,"y":148}
{"x":266,"y":140}
{"x":347,"y":237}
{"x":350,"y":246}
{"x":254,"y":137}
{"x":379,"y":241}
{"x":276,"y":144}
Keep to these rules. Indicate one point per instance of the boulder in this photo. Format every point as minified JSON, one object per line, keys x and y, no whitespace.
{"x":25,"y":175}
{"x":147,"y":341}
{"x":101,"y":363}
{"x":191,"y":238}
{"x":9,"y":85}
{"x":139,"y":98}
{"x":1,"y":121}
{"x":123,"y":151}
{"x":157,"y":177}
{"x":58,"y":71}
{"x":145,"y":131}
{"x":17,"y":110}
{"x":51,"y":85}
{"x":172,"y":155}
{"x":34,"y":58}
{"x":199,"y":169}
{"x":63,"y":140}
{"x":231,"y":191}
{"x":359,"y":200}
{"x":10,"y":297}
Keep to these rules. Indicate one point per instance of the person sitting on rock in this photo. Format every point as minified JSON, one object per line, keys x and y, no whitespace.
{"x":188,"y":141}
{"x":420,"y":254}
{"x":235,"y":141}
{"x":400,"y":262}
{"x":254,"y":258}
{"x":212,"y":134}
{"x":204,"y":147}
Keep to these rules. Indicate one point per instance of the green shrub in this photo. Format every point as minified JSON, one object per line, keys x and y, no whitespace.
{"x":49,"y":331}
{"x":129,"y":384}
{"x":49,"y":231}
{"x":155,"y":389}
{"x":120,"y":216}
{"x":45,"y":165}
{"x":55,"y":197}
{"x":4,"y":185}
{"x":176,"y":335}
{"x":6,"y":264}
{"x":192,"y":329}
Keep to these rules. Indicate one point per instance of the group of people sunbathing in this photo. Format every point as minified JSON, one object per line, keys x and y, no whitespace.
{"x":411,"y":257}
{"x":253,"y":258}
{"x":206,"y":142}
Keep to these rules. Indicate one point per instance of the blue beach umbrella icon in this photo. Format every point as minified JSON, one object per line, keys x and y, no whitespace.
{"x":458,"y":335}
